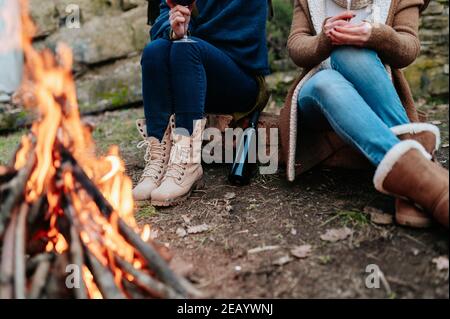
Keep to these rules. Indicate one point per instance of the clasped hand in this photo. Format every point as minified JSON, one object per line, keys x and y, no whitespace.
{"x":341,"y":31}
{"x":179,"y":18}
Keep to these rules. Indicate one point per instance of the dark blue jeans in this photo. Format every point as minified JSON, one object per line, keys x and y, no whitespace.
{"x":189,"y":80}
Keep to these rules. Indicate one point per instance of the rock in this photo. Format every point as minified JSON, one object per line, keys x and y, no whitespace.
{"x":12,"y":118}
{"x":141,"y":31}
{"x":101,"y":39}
{"x":128,"y":4}
{"x":427,"y":76}
{"x":44,"y":15}
{"x":88,"y":9}
{"x":435,"y":8}
{"x":111,"y":86}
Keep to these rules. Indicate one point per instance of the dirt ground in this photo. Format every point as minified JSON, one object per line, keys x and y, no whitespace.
{"x":274,"y":214}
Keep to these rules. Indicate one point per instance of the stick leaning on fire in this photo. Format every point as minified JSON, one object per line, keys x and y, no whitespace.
{"x":62,"y":206}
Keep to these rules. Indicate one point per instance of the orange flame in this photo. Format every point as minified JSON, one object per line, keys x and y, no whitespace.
{"x":49,"y":89}
{"x":93,"y":291}
{"x":22,"y":153}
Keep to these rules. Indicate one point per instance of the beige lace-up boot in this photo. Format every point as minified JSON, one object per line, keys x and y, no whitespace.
{"x":156,"y":157}
{"x":184,"y":172}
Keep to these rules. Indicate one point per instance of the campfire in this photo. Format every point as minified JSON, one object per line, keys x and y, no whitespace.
{"x":67,"y":228}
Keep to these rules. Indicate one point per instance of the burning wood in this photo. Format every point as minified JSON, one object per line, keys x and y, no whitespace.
{"x":62,"y":206}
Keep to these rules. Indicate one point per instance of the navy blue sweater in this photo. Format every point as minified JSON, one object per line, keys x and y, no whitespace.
{"x":237,"y":27}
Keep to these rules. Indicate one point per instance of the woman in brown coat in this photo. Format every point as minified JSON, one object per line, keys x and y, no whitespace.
{"x":352,"y":53}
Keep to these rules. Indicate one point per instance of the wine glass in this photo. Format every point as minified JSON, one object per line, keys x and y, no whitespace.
{"x":349,"y":7}
{"x":187,"y":4}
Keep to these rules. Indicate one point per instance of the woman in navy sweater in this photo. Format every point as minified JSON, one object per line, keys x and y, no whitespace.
{"x":221,"y":72}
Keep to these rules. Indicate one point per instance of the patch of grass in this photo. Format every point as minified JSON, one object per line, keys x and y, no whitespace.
{"x":118,"y":128}
{"x":349,"y":218}
{"x":145,"y":212}
{"x":117,"y":98}
{"x":353,"y":218}
{"x":8,"y":145}
{"x":392,"y":296}
{"x":325,"y":260}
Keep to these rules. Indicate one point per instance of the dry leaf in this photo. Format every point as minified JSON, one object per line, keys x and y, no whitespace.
{"x":335,"y":235}
{"x":283,"y":260}
{"x":303,"y":251}
{"x":441,"y":263}
{"x":379,"y":216}
{"x":181,"y":232}
{"x":198,"y":229}
{"x":229,"y":196}
{"x":186,"y":219}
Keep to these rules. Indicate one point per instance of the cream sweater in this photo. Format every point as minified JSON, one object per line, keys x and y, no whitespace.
{"x":333,"y":9}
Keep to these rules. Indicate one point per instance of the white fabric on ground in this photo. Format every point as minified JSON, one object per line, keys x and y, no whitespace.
{"x":11,"y":58}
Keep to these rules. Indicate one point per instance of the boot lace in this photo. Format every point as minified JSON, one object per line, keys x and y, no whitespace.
{"x":154,"y":158}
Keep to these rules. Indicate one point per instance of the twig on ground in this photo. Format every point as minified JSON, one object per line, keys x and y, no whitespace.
{"x":19,"y":253}
{"x":76,"y":254}
{"x":104,"y":278}
{"x":145,"y":281}
{"x":16,"y":187}
{"x":262,"y":249}
{"x":148,"y":252}
{"x":39,"y":278}
{"x":7,"y":262}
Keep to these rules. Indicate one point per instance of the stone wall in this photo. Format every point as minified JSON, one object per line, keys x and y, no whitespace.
{"x":429,"y":75}
{"x":112,"y":34}
{"x":106,"y":46}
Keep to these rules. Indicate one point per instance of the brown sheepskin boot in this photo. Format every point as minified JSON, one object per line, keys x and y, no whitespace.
{"x":407,"y":172}
{"x":184,"y":172}
{"x":428,"y":135}
{"x":156,"y":158}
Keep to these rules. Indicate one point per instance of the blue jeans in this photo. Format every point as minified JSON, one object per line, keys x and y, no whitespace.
{"x":189,"y":79}
{"x":358,"y":99}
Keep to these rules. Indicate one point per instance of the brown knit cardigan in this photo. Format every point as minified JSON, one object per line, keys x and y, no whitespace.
{"x":396,"y":42}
